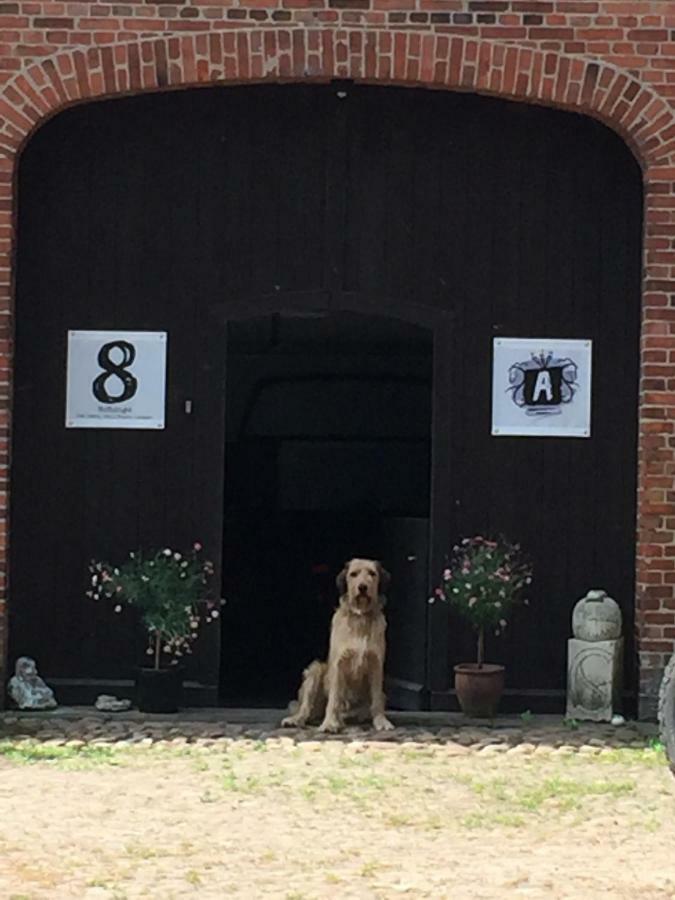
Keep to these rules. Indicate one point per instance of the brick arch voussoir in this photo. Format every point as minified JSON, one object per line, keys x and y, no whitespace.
{"x":634,"y":110}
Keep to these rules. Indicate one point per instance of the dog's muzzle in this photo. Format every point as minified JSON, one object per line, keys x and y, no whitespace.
{"x":362,"y":598}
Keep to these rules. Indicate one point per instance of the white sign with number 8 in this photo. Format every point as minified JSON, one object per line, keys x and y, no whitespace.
{"x":116,"y":379}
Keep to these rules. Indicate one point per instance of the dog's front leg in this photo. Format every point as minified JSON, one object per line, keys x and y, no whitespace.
{"x":332,"y":722}
{"x":377,"y":699}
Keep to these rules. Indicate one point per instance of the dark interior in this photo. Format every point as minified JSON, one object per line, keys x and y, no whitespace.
{"x":328,"y":420}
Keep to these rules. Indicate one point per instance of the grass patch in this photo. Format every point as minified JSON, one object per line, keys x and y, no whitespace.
{"x":247,"y":784}
{"x":140,"y":851}
{"x":652,"y":754}
{"x":28,"y":752}
{"x":569,"y":794}
{"x":511,"y":802}
{"x":370,"y":868}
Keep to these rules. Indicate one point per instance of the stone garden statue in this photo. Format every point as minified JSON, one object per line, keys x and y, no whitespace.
{"x":27,"y":689}
{"x":595,"y":659}
{"x":110,"y":703}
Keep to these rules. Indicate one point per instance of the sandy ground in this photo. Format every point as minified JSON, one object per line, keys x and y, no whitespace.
{"x":271,"y":818}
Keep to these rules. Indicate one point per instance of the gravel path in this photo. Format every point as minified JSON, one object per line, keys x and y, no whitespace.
{"x":104,"y":807}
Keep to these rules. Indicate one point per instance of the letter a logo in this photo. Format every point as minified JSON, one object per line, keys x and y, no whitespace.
{"x":543,"y":386}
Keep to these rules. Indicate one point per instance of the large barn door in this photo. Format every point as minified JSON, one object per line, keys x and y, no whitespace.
{"x":468,"y":216}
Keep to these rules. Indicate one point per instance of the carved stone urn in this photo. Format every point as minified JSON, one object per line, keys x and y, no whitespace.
{"x":596,"y":617}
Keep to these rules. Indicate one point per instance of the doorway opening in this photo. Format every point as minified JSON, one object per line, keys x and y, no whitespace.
{"x":328,"y":425}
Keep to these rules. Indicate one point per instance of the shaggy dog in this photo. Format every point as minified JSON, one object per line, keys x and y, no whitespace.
{"x":349,"y":684}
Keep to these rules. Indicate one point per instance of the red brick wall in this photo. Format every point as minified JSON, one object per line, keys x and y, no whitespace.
{"x":610,"y":59}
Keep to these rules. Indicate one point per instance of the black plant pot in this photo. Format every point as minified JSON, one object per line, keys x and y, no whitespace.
{"x":159,"y":690}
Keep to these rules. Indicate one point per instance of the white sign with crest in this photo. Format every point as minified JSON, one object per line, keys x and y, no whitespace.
{"x":541,"y":387}
{"x":116,"y":379}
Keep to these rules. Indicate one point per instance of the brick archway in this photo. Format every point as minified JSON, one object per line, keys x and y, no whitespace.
{"x":633,"y":109}
{"x":613,"y":95}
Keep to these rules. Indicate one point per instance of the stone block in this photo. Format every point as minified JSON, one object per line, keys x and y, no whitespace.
{"x":594,"y":679}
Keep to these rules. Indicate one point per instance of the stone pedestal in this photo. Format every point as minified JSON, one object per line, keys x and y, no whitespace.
{"x":594,"y":679}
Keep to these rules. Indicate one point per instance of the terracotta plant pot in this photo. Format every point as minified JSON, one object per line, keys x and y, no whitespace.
{"x":479,"y":688}
{"x":159,"y":690}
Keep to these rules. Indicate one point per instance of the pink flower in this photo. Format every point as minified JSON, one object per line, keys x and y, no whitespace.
{"x":197,"y":546}
{"x":447,"y":575}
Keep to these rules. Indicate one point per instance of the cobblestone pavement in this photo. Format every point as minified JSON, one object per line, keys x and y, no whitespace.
{"x":508,"y":734}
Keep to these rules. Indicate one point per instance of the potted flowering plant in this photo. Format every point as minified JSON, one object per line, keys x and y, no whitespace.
{"x":169,"y":590}
{"x":482,"y":581}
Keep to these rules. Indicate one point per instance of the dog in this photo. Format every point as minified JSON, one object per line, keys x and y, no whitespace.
{"x":349,"y":686}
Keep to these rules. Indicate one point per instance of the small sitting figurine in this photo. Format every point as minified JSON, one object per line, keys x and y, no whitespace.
{"x":109,"y":703}
{"x":27,"y":689}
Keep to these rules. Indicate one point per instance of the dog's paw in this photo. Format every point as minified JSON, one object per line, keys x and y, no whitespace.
{"x":382,"y":723}
{"x":292,"y":722}
{"x":330,"y":726}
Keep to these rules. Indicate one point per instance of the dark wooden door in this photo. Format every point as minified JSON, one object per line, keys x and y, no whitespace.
{"x":406,"y":550}
{"x":469,"y":216}
{"x":111,"y":237}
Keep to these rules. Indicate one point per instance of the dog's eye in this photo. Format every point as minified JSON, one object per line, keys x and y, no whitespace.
{"x":371,"y":573}
{"x":353,"y":574}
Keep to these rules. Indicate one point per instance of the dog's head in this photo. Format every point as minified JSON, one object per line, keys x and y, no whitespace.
{"x":361,"y":584}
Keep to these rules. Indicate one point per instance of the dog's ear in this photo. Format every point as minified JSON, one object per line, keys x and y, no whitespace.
{"x":341,"y":580}
{"x":385,"y":577}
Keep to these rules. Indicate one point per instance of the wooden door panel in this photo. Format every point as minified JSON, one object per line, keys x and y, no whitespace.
{"x":406,"y":552}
